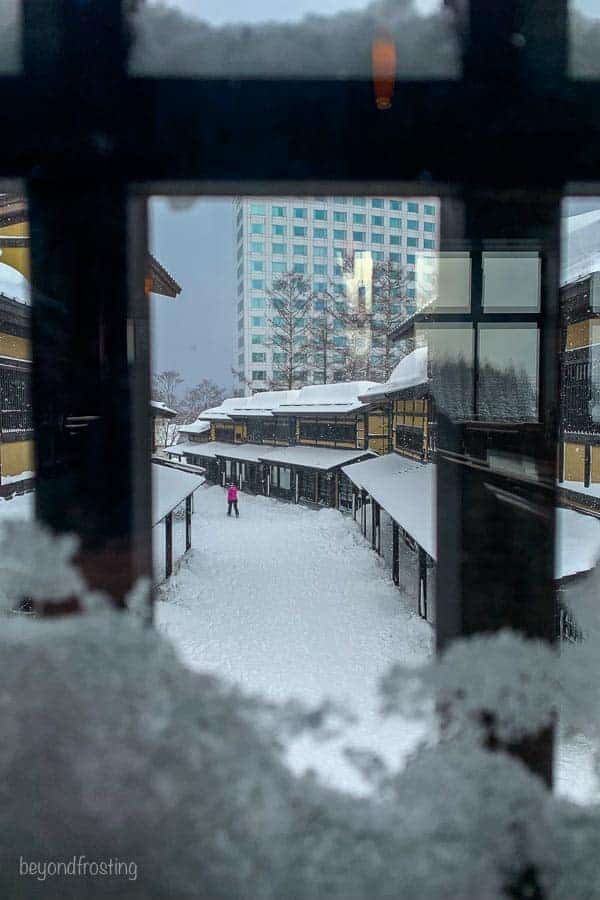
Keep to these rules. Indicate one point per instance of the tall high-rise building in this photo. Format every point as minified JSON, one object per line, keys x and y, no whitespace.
{"x":316,"y":236}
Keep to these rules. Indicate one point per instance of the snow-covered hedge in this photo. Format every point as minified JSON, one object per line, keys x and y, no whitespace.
{"x":111,"y":748}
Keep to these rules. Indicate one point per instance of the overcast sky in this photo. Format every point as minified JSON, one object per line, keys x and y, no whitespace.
{"x":194,"y":333}
{"x":220,"y":12}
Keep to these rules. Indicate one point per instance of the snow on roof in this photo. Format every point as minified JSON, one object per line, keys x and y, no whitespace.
{"x":14,"y":285}
{"x":313,"y":457}
{"x":265,"y":403}
{"x":407,"y":490}
{"x":159,"y":406}
{"x":410,"y":372}
{"x":187,"y":447}
{"x":208,"y":450}
{"x":248,"y":452}
{"x":577,"y":542}
{"x":196,"y":427}
{"x":169,"y":488}
{"x":580,"y":246}
{"x":218,"y":413}
{"x":340,"y":397}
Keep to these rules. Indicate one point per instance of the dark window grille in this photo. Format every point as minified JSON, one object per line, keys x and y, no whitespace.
{"x":345,"y":492}
{"x":329,"y":432}
{"x":224,"y":433}
{"x":409,"y":438}
{"x":15,"y":400}
{"x":307,"y":486}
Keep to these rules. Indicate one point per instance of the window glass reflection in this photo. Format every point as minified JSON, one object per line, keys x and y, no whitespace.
{"x":584,"y":38}
{"x":443,"y":281}
{"x":511,"y":281}
{"x":304,"y":39}
{"x":450,"y":351}
{"x":508,"y":372}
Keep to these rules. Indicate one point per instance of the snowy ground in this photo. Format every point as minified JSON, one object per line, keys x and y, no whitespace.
{"x":290,"y":602}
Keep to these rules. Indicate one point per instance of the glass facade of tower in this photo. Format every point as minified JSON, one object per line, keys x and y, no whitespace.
{"x":316,"y":237}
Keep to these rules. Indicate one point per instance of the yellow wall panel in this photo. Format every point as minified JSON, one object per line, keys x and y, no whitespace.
{"x":17,"y":257}
{"x":574,"y":462}
{"x":16,"y":457}
{"x":595,"y":464}
{"x":578,"y":335}
{"x":377,"y":423}
{"x":16,"y":347}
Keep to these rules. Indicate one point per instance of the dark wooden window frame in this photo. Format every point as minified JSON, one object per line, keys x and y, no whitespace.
{"x":92,"y":143}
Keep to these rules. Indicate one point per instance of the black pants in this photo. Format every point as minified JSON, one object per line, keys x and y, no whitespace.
{"x":233,"y":503}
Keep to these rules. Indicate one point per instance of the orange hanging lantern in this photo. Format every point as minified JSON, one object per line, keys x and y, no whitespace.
{"x":148,"y":285}
{"x":383,"y":54}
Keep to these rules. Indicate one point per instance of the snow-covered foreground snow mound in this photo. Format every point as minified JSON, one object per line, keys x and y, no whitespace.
{"x":291,"y":602}
{"x":112,"y":749}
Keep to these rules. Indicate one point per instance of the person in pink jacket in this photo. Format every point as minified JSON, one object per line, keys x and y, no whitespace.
{"x":232,"y":500}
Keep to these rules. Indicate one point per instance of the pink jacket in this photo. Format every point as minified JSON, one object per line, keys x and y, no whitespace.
{"x":232,"y":493}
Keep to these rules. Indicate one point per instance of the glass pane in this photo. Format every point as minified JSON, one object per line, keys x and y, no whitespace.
{"x":305,"y":39}
{"x":451,"y":352}
{"x":443,"y":281}
{"x":280,"y":419}
{"x":511,"y":282}
{"x":16,"y":424}
{"x":10,"y":37}
{"x":508,"y":373}
{"x":584,"y":38}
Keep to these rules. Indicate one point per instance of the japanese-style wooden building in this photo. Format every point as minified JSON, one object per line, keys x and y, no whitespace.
{"x":579,"y":444}
{"x":289,"y":444}
{"x":16,"y":434}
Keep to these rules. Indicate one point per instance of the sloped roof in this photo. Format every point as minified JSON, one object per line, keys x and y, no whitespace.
{"x":336,"y":398}
{"x":410,"y":372}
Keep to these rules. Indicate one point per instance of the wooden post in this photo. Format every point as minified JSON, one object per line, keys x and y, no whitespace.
{"x":395,"y":553}
{"x":188,"y":522}
{"x":168,"y":544}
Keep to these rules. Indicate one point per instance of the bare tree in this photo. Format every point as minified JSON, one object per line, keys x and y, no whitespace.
{"x":165,"y":387}
{"x":290,"y":302}
{"x":242,"y":379}
{"x":389,"y":310}
{"x":328,"y":312}
{"x":204,"y":395}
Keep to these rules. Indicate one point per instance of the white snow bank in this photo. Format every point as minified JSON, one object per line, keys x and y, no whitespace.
{"x":21,"y":506}
{"x":263,"y":601}
{"x":14,"y":285}
{"x":14,"y":479}
{"x":410,"y":372}
{"x":169,"y":487}
{"x":577,"y":542}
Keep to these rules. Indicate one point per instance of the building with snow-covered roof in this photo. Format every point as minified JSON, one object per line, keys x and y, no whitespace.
{"x":16,"y":425}
{"x":313,"y":237}
{"x":292,"y":444}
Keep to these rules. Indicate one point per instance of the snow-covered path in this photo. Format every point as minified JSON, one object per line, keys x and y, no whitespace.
{"x":291,"y":602}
